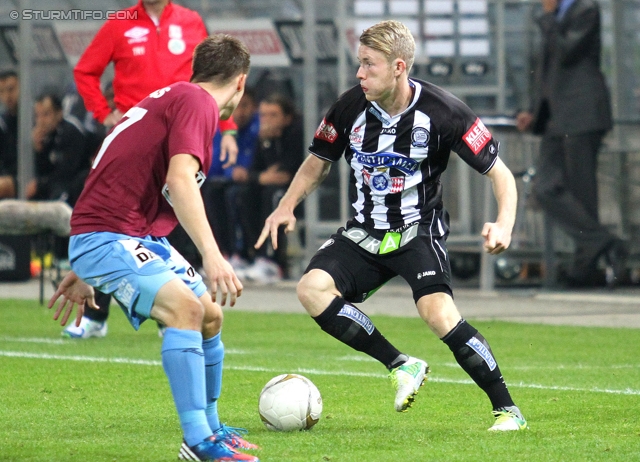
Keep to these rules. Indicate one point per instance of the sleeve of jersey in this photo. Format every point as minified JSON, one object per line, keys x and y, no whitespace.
{"x":192,"y":127}
{"x":89,"y":70}
{"x":330,"y":139}
{"x":474,"y":143}
{"x":226,"y":125}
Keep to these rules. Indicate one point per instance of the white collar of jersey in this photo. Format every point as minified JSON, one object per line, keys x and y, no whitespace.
{"x":416,"y":95}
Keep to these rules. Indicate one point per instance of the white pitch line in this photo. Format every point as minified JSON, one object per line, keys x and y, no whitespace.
{"x":52,"y":341}
{"x":91,"y":359}
{"x":145,"y":362}
{"x":542,"y":367}
{"x":347,"y":358}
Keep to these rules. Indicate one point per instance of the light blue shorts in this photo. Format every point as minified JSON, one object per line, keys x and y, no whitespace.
{"x":132,"y":269}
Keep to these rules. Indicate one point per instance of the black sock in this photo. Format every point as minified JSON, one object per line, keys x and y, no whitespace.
{"x":103,"y":301}
{"x":474,"y":355}
{"x":352,"y":327}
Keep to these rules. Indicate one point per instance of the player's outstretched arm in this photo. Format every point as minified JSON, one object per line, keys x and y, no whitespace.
{"x":189,"y":209}
{"x":497,"y":236}
{"x":311,"y":173}
{"x":73,"y":290}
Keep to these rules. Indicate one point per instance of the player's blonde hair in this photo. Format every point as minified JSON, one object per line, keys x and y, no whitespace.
{"x":391,"y":38}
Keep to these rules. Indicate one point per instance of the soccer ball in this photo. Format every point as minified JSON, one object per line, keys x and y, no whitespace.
{"x":290,"y":402}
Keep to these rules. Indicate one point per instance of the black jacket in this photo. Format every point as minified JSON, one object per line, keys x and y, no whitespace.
{"x":571,"y":95}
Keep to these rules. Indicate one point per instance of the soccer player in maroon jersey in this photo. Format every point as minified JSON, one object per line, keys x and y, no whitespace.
{"x":397,"y":133}
{"x":144,"y":180}
{"x":150,"y":46}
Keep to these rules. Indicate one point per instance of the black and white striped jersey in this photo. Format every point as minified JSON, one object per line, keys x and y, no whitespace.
{"x":397,"y":161}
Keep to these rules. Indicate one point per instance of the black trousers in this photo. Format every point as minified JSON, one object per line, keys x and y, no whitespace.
{"x":567,"y":189}
{"x":258,"y":203}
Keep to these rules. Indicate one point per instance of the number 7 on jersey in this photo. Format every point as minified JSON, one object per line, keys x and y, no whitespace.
{"x":132,"y":116}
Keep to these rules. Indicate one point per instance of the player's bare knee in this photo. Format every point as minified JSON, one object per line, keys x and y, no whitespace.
{"x":314,"y":287}
{"x":307,"y":286}
{"x":212,"y":320}
{"x":190,"y":315}
{"x":439,"y":312}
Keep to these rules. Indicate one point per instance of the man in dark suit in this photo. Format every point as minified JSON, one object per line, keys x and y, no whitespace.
{"x":571,"y":110}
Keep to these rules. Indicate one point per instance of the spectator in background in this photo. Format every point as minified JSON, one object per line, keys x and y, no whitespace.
{"x":571,"y":110}
{"x":278,"y":157}
{"x":60,"y":156}
{"x":150,"y":51}
{"x":9,"y":97}
{"x":59,"y":146}
{"x":221,"y":190}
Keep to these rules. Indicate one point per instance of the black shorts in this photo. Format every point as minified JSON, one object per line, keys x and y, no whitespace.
{"x":423,"y":261}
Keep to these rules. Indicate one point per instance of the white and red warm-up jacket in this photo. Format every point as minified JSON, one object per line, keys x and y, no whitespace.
{"x":146,"y":57}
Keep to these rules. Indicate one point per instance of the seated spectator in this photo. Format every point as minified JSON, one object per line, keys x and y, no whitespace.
{"x":277,"y":158}
{"x":61,"y":158}
{"x":224,"y":183}
{"x":9,"y":97}
{"x":59,"y":146}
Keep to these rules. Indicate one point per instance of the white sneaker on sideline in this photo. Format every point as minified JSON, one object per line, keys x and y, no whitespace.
{"x":238,"y":263}
{"x":263,"y":271}
{"x":88,"y":328}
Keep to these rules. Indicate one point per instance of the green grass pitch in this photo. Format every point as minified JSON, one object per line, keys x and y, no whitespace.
{"x":108,"y":399}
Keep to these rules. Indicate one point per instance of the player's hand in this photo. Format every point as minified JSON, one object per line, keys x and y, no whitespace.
{"x":228,"y":150}
{"x":113,"y":118}
{"x":73,"y":290}
{"x":496,"y":238}
{"x":277,"y":218}
{"x":221,"y":276}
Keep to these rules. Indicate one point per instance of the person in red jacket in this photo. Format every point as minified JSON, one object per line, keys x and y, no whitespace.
{"x":150,"y":48}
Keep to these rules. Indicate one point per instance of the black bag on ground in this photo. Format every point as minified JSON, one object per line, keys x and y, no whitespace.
{"x":15,"y":257}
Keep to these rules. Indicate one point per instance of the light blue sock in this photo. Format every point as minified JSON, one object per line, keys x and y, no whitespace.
{"x":183,"y":362}
{"x":213,"y":356}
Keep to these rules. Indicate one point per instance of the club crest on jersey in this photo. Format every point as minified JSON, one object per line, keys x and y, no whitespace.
{"x":420,"y":137}
{"x":176,"y":44}
{"x":383,"y":182}
{"x":477,"y":137}
{"x":326,"y":132}
{"x":355,"y":137}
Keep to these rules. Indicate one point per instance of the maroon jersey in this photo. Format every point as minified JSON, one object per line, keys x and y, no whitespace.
{"x":125,"y":191}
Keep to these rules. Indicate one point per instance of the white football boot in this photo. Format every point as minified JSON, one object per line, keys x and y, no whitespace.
{"x":88,"y":328}
{"x":407,"y":380}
